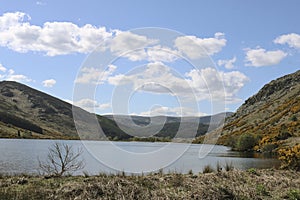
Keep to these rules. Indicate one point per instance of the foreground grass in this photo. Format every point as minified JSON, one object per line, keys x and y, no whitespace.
{"x":251,"y":184}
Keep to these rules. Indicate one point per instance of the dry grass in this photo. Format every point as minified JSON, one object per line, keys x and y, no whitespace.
{"x":264,"y":184}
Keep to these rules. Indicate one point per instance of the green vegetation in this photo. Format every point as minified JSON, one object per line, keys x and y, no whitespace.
{"x":294,"y":118}
{"x":19,"y":122}
{"x":252,"y":171}
{"x":268,"y":122}
{"x":277,"y":184}
{"x":261,"y":190}
{"x":246,"y":142}
{"x":294,"y":194}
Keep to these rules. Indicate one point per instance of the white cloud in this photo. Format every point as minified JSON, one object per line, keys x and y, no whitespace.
{"x":11,"y":19}
{"x":53,"y":38}
{"x":10,"y":75}
{"x":292,"y":39}
{"x":95,"y":76}
{"x":91,"y":105}
{"x":49,"y":83}
{"x":152,"y":54}
{"x":204,"y":84}
{"x":153,"y":79}
{"x":195,"y":48}
{"x":260,"y":57}
{"x":62,"y":38}
{"x":17,"y":78}
{"x":40,"y":3}
{"x":210,"y":83}
{"x":174,"y":111}
{"x":2,"y":68}
{"x":228,"y":64}
{"x":130,"y":45}
{"x":162,"y":54}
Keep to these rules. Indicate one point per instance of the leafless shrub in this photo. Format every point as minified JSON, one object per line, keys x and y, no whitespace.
{"x":61,"y":160}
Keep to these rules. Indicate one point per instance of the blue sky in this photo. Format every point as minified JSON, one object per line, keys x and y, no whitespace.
{"x":250,"y":43}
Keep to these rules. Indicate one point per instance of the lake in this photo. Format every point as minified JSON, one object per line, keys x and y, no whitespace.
{"x":21,"y":156}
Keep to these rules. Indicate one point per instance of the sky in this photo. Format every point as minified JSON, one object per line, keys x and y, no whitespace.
{"x":171,"y":57}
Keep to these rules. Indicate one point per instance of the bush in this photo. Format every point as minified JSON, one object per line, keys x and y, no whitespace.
{"x":261,"y":190}
{"x":283,"y":135}
{"x":252,"y":171}
{"x":294,"y":194}
{"x":207,"y":169}
{"x":61,"y":159}
{"x":246,"y":142}
{"x":294,"y":118}
{"x":269,"y":148}
{"x":290,"y":157}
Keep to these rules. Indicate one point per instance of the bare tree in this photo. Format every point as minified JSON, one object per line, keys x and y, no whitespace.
{"x":62,"y":159}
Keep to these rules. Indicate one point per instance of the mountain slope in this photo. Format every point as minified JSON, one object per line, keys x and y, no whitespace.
{"x":143,"y":120}
{"x":272,"y":116}
{"x":26,"y":112}
{"x":29,"y":113}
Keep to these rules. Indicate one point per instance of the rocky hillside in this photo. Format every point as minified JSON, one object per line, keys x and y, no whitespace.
{"x":272,"y":116}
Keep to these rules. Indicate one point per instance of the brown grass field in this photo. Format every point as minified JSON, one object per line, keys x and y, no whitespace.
{"x":235,"y":184}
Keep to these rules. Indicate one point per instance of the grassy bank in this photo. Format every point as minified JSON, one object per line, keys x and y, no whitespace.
{"x":251,"y":184}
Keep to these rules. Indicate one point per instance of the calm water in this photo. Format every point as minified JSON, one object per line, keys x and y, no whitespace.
{"x":21,"y":156}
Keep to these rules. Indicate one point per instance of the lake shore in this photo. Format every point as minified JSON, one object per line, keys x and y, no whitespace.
{"x":235,"y":184}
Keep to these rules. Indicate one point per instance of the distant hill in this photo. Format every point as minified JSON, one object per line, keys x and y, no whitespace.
{"x":144,"y":120}
{"x":29,"y":113}
{"x":272,"y":116}
{"x":169,"y":125}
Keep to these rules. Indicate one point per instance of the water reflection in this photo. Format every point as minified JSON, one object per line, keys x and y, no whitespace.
{"x":20,"y":156}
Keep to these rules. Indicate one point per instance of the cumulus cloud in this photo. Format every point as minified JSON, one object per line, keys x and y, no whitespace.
{"x":210,"y":83}
{"x":155,"y":53}
{"x":162,"y":54}
{"x":89,"y":75}
{"x":171,"y":111}
{"x":49,"y":83}
{"x":228,"y":64}
{"x":127,"y":41}
{"x":194,"y":47}
{"x":153,"y":79}
{"x":206,"y":83}
{"x":292,"y":39}
{"x":53,"y":38}
{"x":91,"y":105}
{"x":11,"y":19}
{"x":10,"y":75}
{"x":260,"y":57}
{"x":2,"y":68}
{"x":62,"y":38}
{"x":137,"y":47}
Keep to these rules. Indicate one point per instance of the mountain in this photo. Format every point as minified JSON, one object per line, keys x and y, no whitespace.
{"x":29,"y":113}
{"x":144,"y":120}
{"x":169,"y":126}
{"x":272,"y":116}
